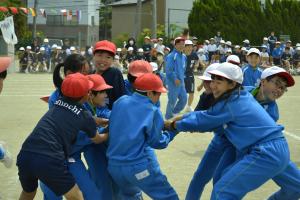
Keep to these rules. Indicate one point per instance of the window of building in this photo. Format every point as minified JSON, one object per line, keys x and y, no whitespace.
{"x":61,"y":20}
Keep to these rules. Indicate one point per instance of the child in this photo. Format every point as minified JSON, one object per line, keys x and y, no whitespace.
{"x":252,"y":71}
{"x":262,"y":140}
{"x":129,"y":163}
{"x":44,"y":152}
{"x":5,"y":155}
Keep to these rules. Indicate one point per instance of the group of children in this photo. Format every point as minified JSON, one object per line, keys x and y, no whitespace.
{"x":117,"y":125}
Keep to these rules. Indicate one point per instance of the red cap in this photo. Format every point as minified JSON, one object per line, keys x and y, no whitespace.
{"x":99,"y":82}
{"x":139,"y":67}
{"x":178,"y":39}
{"x":149,"y":82}
{"x":105,"y":45}
{"x":4,"y":63}
{"x":76,"y":85}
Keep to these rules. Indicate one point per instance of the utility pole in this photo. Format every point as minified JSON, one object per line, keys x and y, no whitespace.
{"x":138,"y":18}
{"x":154,"y":19}
{"x":34,"y":19}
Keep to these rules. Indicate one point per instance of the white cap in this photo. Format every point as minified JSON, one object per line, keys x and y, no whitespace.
{"x":46,"y":40}
{"x":54,"y":46}
{"x":154,"y":66}
{"x":212,"y":39}
{"x":72,"y":48}
{"x":160,"y":39}
{"x":188,"y":42}
{"x":277,"y":42}
{"x":234,"y":59}
{"x":243,"y":49}
{"x":280,"y":72}
{"x":42,"y":49}
{"x":228,"y":51}
{"x":119,"y":49}
{"x":222,"y":41}
{"x":130,"y":49}
{"x":117,"y":57}
{"x":206,"y":41}
{"x":147,"y":37}
{"x":265,"y":38}
{"x":253,"y":50}
{"x":58,"y":47}
{"x":237,"y":46}
{"x":298,"y":45}
{"x":206,"y":76}
{"x":229,"y":71}
{"x":228,"y":43}
{"x":28,"y":47}
{"x":160,"y":52}
{"x":167,"y":48}
{"x":297,"y":48}
{"x":140,"y":50}
{"x":21,"y":49}
{"x":246,"y":41}
{"x":288,"y":41}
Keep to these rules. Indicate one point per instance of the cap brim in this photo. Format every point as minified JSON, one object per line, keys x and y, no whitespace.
{"x":162,"y":90}
{"x":45,"y":98}
{"x":91,"y":84}
{"x":289,"y":78}
{"x":102,"y":87}
{"x":4,"y":63}
{"x":204,"y":78}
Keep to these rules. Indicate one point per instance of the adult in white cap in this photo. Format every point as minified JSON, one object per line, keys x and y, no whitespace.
{"x":5,"y":155}
{"x":246,"y":43}
{"x":160,"y":46}
{"x":232,"y":110}
{"x":211,"y":48}
{"x":276,"y":53}
{"x":296,"y":61}
{"x":192,"y":63}
{"x":252,"y":71}
{"x":147,"y":48}
{"x":175,"y":69}
{"x":222,"y":48}
{"x":129,"y":56}
{"x":265,"y":57}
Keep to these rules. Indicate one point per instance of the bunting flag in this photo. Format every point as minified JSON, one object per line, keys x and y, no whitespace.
{"x":33,"y":13}
{"x":8,"y":30}
{"x":3,"y":9}
{"x":64,"y":12}
{"x":43,"y":12}
{"x":13,"y":10}
{"x":24,"y":10}
{"x":78,"y":14}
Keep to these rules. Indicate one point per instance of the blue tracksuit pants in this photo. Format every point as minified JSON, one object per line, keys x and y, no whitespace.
{"x":207,"y":167}
{"x":174,"y":94}
{"x":146,"y":177}
{"x":264,"y":161}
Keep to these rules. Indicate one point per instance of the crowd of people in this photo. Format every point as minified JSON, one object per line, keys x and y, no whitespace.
{"x":117,"y":124}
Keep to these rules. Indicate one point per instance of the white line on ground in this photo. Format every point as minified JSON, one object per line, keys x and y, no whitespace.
{"x":22,"y":95}
{"x":292,"y":135}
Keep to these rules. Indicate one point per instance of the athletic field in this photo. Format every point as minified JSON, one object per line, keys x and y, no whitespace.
{"x":21,"y":109}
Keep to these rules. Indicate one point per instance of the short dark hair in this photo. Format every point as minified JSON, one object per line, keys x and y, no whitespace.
{"x":3,"y":74}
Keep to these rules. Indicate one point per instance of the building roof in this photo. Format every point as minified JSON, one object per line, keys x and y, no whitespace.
{"x":125,"y":2}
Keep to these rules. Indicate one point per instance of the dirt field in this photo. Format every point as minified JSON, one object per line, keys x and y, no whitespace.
{"x":21,"y":109}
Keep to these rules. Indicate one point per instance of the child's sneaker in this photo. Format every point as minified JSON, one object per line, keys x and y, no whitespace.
{"x":7,"y":160}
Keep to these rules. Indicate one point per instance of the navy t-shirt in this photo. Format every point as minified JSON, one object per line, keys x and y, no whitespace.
{"x":190,"y":63}
{"x":114,"y":77}
{"x":57,"y":130}
{"x":205,"y":101}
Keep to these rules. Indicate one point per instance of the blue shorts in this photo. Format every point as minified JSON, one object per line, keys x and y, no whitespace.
{"x":52,"y":172}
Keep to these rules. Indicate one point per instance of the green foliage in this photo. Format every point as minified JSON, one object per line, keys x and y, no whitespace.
{"x":241,"y":19}
{"x":120,"y":39}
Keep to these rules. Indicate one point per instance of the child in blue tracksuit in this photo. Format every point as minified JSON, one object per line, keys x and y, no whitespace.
{"x":175,"y":69}
{"x":266,"y":152}
{"x":128,"y":160}
{"x":83,"y":177}
{"x":252,"y":71}
{"x":5,"y":155}
{"x":44,"y":153}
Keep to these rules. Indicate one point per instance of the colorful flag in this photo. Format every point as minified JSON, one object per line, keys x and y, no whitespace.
{"x":24,"y":10}
{"x":3,"y":9}
{"x":43,"y":12}
{"x":13,"y":10}
{"x":78,"y":14}
{"x":33,"y":13}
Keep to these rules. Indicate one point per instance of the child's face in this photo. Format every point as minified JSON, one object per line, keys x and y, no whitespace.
{"x":206,"y":85}
{"x":274,"y":88}
{"x":154,"y":96}
{"x":253,"y":59}
{"x":219,"y":87}
{"x":99,"y":99}
{"x":103,"y":60}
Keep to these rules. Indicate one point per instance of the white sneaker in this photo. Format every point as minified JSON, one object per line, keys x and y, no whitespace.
{"x":7,"y":160}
